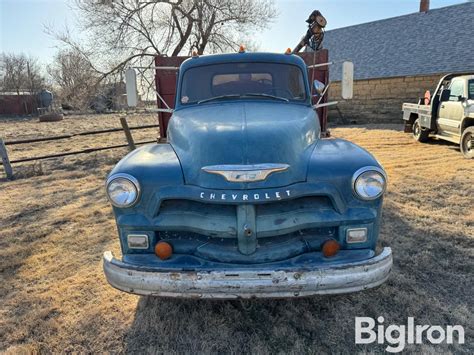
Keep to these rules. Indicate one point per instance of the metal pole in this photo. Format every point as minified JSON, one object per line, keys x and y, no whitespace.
{"x":319,"y":65}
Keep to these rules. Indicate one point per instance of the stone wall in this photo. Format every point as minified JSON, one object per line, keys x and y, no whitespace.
{"x":378,"y":100}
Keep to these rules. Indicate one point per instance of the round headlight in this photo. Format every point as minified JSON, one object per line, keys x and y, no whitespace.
{"x":123,"y":190}
{"x":369,"y":183}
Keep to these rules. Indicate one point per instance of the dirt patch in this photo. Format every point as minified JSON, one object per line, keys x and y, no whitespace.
{"x":56,"y":224}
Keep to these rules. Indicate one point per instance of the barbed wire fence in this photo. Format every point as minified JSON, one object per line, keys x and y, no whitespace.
{"x":131,"y":143}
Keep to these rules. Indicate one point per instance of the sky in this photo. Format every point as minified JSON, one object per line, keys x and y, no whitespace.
{"x":22,"y":22}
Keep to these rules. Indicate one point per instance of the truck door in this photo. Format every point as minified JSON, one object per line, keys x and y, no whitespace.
{"x":451,"y":112}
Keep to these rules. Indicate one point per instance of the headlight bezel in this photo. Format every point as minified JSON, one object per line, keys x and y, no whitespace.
{"x":131,"y":179}
{"x":362,"y":171}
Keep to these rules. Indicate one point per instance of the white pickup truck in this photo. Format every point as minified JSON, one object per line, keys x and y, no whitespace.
{"x":447,"y":114}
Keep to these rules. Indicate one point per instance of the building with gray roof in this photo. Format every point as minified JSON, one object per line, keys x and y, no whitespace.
{"x":437,"y":41}
{"x":418,"y":48}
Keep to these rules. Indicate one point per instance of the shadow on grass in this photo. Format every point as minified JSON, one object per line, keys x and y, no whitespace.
{"x":430,"y":281}
{"x":19,"y":118}
{"x":28,"y":229}
{"x":442,"y":142}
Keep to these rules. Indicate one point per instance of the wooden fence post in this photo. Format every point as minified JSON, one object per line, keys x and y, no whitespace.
{"x":5,"y":160}
{"x":128,"y":134}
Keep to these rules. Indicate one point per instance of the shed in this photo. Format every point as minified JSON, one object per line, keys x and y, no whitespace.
{"x":22,"y":103}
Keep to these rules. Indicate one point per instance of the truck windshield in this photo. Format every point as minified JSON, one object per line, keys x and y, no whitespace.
{"x":470,"y":86}
{"x":230,"y":81}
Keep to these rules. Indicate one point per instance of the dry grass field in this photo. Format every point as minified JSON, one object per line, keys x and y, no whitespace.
{"x":55,"y":223}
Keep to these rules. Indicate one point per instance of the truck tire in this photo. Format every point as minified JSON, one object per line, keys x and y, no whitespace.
{"x":420,"y":134}
{"x":467,"y":143}
{"x":51,"y":117}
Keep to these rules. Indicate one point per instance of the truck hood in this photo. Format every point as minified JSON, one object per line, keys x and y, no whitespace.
{"x":244,"y":134}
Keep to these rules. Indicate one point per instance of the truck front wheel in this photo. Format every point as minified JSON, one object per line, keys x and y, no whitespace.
{"x":419,"y":133}
{"x":467,"y":143}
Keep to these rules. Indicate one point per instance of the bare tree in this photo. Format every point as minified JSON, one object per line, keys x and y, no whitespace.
{"x":75,"y":78}
{"x":133,"y":31}
{"x":20,"y":73}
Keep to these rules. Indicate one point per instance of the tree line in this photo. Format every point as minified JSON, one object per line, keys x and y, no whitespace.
{"x":122,"y":33}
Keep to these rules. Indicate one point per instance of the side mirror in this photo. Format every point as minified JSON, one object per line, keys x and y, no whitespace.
{"x":318,"y":87}
{"x":445,"y":95}
{"x":131,"y":87}
{"x":347,"y":84}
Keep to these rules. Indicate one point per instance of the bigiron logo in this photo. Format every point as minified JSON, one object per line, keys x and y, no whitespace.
{"x":400,"y":335}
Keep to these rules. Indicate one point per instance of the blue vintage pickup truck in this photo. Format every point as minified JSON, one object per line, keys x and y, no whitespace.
{"x":246,"y":199}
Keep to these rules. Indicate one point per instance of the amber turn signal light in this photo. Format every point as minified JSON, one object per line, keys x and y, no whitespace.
{"x":288,"y":51}
{"x":163,"y":250}
{"x":330,"y":248}
{"x":242,"y":49}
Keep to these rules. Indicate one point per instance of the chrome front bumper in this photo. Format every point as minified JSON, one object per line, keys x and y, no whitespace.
{"x":264,"y":283}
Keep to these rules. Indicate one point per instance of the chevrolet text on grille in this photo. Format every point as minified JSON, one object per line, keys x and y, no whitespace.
{"x":278,"y":195}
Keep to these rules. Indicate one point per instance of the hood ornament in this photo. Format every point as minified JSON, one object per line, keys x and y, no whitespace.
{"x":245,"y":173}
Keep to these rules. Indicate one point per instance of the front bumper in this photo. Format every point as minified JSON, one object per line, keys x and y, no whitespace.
{"x":264,"y":283}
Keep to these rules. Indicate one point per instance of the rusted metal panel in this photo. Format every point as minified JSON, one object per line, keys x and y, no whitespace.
{"x":17,"y":104}
{"x":165,"y":82}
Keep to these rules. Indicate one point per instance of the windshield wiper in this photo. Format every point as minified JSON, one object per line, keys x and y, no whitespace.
{"x":233,"y":96}
{"x":267,"y":95}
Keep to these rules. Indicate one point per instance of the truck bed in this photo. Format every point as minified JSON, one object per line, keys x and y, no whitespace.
{"x":412,"y":112}
{"x":408,"y":109}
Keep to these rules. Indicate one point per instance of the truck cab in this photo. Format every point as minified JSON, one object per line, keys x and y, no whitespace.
{"x":449,"y":115}
{"x":246,"y":199}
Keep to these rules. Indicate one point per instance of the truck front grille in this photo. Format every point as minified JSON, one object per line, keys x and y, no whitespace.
{"x":222,"y":220}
